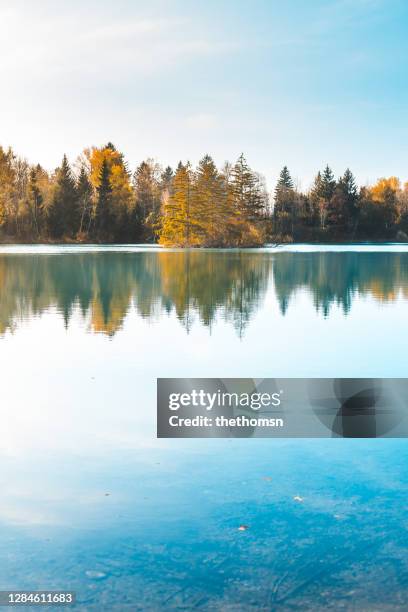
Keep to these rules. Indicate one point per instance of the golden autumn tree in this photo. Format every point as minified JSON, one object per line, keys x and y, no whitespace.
{"x":210,"y":203}
{"x":180,"y":225}
{"x":7,"y":176}
{"x":383,"y":187}
{"x":121,"y":200}
{"x":384,"y":196}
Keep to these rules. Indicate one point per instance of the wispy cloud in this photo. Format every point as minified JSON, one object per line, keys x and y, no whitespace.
{"x":72,"y":44}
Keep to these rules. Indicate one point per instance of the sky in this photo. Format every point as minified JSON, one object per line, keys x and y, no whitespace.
{"x":302,"y":82}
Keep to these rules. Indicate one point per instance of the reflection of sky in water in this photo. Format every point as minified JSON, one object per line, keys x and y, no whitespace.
{"x":78,"y":423}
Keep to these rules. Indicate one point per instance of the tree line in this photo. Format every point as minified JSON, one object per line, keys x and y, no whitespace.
{"x":99,"y":199}
{"x":337,"y":210}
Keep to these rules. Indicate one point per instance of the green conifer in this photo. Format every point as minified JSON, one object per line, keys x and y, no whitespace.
{"x":62,"y":218}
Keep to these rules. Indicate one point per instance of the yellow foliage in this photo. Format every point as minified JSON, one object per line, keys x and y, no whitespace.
{"x":110,"y":323}
{"x":119,"y":176}
{"x":384,"y":185}
{"x":120,"y":183}
{"x":96,"y":157}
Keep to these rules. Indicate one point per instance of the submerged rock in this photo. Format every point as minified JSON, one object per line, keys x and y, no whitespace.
{"x":95,"y":575}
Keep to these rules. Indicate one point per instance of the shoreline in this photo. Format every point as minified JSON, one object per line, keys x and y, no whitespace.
{"x":293,"y":248}
{"x":73,"y":243}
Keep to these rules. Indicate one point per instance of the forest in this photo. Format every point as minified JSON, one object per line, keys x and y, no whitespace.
{"x":99,"y":199}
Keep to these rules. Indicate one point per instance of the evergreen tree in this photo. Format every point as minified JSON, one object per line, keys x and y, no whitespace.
{"x":166,"y":179}
{"x":146,"y":181}
{"x":285,"y":208}
{"x":242,"y":183}
{"x":342,"y":206}
{"x":321,"y":194}
{"x":85,"y":202}
{"x":347,"y":185}
{"x":317,"y":186}
{"x":121,"y":198}
{"x":35,"y":199}
{"x":104,"y":204}
{"x":210,"y":204}
{"x":284,"y":182}
{"x":249,"y":200}
{"x":181,"y":225}
{"x":62,"y":217}
{"x":328,"y":184}
{"x":316,"y":199}
{"x":146,"y":188}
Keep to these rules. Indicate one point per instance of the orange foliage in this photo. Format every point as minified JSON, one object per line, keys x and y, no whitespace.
{"x":383,"y":186}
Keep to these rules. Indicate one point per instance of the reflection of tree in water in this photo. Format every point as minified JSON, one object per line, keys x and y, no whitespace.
{"x":335,"y":278}
{"x":104,"y":286}
{"x":203,"y":285}
{"x":206,"y":283}
{"x":252,"y":283}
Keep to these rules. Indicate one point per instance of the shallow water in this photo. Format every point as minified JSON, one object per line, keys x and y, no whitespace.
{"x":92,"y":501}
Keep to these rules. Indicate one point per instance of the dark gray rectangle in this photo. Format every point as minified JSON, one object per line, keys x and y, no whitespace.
{"x":282,"y":407}
{"x":37,"y":598}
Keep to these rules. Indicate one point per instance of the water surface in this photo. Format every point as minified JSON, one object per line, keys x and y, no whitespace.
{"x":93,"y":502}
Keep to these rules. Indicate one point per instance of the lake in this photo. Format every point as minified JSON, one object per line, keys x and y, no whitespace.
{"x":93,"y":502}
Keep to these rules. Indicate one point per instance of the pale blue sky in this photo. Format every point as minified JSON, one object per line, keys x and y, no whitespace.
{"x":302,"y":83}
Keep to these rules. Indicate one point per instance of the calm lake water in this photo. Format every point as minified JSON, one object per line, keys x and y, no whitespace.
{"x":93,"y":502}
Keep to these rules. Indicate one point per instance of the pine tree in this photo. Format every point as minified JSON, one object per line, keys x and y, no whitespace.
{"x":285,"y":204}
{"x":147,"y":188}
{"x":347,"y":185}
{"x":242,"y":185}
{"x":247,"y":190}
{"x":317,"y":186}
{"x":85,"y":203}
{"x":284,"y":182}
{"x":321,"y":194}
{"x":166,"y":178}
{"x":121,"y":199}
{"x":328,"y":184}
{"x":35,"y":199}
{"x":104,"y":204}
{"x":210,"y":202}
{"x":250,"y":200}
{"x":342,"y":206}
{"x":315,"y":198}
{"x":62,"y":218}
{"x":178,"y":222}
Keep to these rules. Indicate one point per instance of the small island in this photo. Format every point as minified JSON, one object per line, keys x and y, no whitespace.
{"x":98,"y":199}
